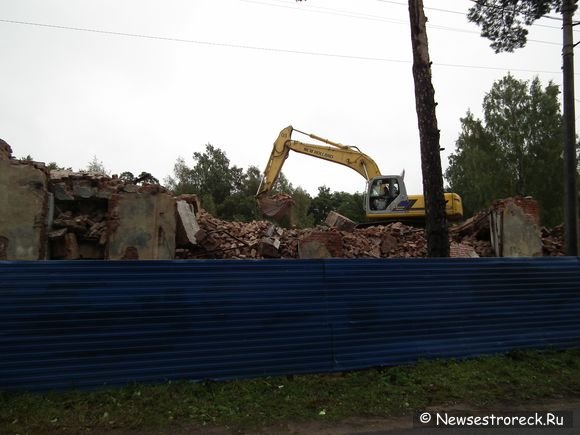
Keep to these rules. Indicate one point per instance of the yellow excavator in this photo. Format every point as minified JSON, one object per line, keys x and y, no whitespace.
{"x":385,"y":196}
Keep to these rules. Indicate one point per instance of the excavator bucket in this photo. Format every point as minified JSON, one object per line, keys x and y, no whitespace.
{"x":277,"y":206}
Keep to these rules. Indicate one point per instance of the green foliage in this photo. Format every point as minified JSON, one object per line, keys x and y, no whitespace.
{"x":321,"y":205}
{"x":502,"y":21}
{"x":347,"y":204}
{"x":143,"y":178}
{"x":182,"y":183}
{"x":247,"y":406}
{"x":211,"y":175}
{"x":228,"y":192}
{"x":127,"y":177}
{"x":302,"y":201}
{"x":225,"y":191}
{"x":350,"y":205}
{"x":515,"y":150}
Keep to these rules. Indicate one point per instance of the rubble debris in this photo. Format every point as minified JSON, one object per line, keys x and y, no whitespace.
{"x":320,"y":244}
{"x":269,"y":247}
{"x":340,"y":222}
{"x":476,"y":226}
{"x":462,"y":250}
{"x":553,"y":241}
{"x":396,"y":240}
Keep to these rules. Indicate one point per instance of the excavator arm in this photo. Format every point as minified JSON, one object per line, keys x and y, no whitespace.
{"x":345,"y":155}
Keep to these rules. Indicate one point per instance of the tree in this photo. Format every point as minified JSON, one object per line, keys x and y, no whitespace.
{"x":127,"y":177}
{"x":347,"y":204}
{"x":515,"y":150}
{"x":302,"y":201}
{"x":435,"y":222}
{"x":96,"y":166}
{"x":211,"y":175}
{"x":225,"y":190}
{"x":502,"y":22}
{"x":143,"y":178}
{"x":182,"y":180}
{"x":321,"y":205}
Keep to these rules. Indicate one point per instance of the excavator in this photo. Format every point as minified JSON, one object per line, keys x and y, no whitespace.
{"x":385,"y":196}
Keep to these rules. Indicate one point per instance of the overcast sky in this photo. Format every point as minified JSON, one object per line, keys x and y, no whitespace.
{"x":233,"y":73}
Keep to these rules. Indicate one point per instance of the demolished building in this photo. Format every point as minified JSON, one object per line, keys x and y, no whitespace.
{"x":61,"y":215}
{"x":66,"y":215}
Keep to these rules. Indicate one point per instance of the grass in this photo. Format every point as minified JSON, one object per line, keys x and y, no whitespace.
{"x":514,"y":378}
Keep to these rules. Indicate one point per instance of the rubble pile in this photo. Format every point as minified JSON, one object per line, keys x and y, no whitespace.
{"x":69,"y":186}
{"x":553,"y":241}
{"x":69,"y":230}
{"x":260,"y":239}
{"x":474,"y":232}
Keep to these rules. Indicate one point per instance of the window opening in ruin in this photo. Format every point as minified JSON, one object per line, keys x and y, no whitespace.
{"x":79,"y":229}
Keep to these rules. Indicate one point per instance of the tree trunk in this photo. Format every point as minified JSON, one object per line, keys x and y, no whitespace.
{"x":436,"y":222}
{"x":570,"y":192}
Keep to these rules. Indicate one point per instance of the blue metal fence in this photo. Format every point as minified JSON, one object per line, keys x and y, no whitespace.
{"x":93,"y":323}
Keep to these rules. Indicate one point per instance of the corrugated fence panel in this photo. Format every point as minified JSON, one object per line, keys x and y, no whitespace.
{"x":451,"y":308}
{"x":87,"y":324}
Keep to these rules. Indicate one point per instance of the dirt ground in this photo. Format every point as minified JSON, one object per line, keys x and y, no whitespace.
{"x":374,"y":426}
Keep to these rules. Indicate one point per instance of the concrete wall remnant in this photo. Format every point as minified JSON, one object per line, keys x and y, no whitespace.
{"x":5,"y":150}
{"x":187,"y":226}
{"x":514,"y":228}
{"x":24,"y":212}
{"x":141,"y":225}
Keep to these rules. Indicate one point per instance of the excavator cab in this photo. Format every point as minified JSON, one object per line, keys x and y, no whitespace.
{"x":386,"y":194}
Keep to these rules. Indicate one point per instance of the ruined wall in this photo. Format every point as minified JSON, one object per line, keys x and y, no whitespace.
{"x":515,"y":230}
{"x":5,"y":150}
{"x":24,"y":205}
{"x":141,"y":226}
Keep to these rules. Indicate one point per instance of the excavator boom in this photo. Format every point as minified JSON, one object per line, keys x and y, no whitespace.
{"x":345,"y":155}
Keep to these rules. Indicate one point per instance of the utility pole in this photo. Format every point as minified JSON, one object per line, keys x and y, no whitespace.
{"x":436,"y":222}
{"x":570,"y":196}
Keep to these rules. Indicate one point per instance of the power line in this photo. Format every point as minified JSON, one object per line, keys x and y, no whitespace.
{"x":257,"y":48}
{"x":198,"y":42}
{"x":463,"y":13}
{"x":350,"y":14}
{"x":326,"y":11}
